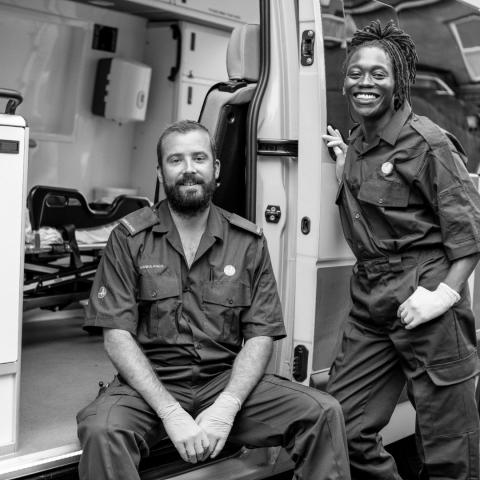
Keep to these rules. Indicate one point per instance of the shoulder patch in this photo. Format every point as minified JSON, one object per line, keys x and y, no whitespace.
{"x":242,"y":223}
{"x":139,"y":220}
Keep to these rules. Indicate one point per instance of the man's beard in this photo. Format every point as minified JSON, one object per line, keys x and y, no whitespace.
{"x":190,"y":203}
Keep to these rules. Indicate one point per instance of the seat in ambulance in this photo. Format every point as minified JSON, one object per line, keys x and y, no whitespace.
{"x":225,"y":111}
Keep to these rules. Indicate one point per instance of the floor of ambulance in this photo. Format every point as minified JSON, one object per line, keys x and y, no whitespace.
{"x":61,"y":368}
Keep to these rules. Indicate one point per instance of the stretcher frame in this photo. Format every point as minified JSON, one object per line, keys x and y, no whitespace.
{"x":59,"y":274}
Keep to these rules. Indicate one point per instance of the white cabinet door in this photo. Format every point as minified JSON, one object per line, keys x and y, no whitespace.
{"x":13,"y":167}
{"x":190,"y":98}
{"x":204,"y":52}
{"x":242,"y":11}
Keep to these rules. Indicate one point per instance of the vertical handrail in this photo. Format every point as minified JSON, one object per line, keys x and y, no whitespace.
{"x":254,"y":109}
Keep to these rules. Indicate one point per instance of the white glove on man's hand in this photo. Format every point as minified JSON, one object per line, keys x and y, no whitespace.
{"x":424,"y":305}
{"x":217,"y":420}
{"x":188,"y":438}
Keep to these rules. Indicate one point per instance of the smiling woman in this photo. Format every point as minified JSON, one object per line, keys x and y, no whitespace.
{"x":381,"y":65}
{"x":369,"y":86}
{"x":407,"y":206}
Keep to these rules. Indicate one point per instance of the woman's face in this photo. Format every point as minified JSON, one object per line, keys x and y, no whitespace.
{"x":369,"y":85}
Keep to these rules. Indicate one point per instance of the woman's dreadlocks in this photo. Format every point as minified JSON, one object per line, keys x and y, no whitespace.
{"x":399,"y":46}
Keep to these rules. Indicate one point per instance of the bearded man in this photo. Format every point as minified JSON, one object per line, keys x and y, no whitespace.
{"x":188,"y":303}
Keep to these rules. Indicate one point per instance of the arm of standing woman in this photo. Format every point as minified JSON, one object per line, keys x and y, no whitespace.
{"x":335,"y":141}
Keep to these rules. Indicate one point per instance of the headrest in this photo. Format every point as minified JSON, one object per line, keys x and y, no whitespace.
{"x":243,"y":53}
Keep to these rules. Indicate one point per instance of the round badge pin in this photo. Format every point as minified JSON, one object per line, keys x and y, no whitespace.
{"x":387,"y":168}
{"x":229,"y":270}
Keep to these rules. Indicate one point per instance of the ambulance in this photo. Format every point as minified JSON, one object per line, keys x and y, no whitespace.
{"x":87,"y":86}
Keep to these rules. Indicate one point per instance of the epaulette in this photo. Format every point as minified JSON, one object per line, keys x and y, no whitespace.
{"x":457,"y":146}
{"x":139,"y":220}
{"x":242,"y":223}
{"x":436,"y":136}
{"x":429,"y":130}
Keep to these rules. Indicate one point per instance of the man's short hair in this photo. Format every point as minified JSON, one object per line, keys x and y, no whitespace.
{"x":182,"y":127}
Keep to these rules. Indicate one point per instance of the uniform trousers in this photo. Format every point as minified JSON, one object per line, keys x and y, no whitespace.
{"x":119,"y":428}
{"x":437,"y":361}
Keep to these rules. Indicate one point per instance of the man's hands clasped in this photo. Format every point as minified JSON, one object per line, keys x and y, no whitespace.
{"x":188,"y":438}
{"x":217,"y":420}
{"x":196,"y":440}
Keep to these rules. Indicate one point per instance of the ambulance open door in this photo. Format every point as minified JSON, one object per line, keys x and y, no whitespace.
{"x":13,"y":171}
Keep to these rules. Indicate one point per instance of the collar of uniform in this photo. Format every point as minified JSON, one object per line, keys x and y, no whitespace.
{"x":355,"y":138}
{"x":392,"y":130}
{"x":214,"y":220}
{"x":165,"y":219}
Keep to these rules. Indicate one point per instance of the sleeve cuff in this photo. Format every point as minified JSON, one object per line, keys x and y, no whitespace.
{"x":277,"y":333}
{"x":96,"y":324}
{"x":462,"y":249}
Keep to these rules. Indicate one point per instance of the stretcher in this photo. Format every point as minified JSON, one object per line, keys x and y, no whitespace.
{"x":65,"y":237}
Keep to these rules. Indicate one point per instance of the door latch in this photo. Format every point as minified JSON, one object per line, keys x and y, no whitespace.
{"x":307,"y":48}
{"x":300,"y":363}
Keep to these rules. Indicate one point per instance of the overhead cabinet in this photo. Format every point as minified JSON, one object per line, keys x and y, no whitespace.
{"x":186,"y":60}
{"x":245,"y":11}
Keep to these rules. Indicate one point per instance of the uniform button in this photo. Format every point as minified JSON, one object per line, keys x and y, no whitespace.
{"x":154,"y":293}
{"x":186,"y":289}
{"x":356,"y":215}
{"x":230,"y":300}
{"x":198,"y":346}
{"x":380,"y":200}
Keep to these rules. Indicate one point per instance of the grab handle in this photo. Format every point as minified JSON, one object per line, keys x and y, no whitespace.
{"x":15,"y":99}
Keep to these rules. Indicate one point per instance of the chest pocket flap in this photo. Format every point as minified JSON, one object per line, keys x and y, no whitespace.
{"x":157,"y":287}
{"x":228,"y":294}
{"x":384,"y":192}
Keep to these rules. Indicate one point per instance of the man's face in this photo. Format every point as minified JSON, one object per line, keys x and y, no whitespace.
{"x":369,"y":84}
{"x":189,"y":171}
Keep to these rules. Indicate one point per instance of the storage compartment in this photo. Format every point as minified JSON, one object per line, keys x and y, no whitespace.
{"x":121,"y":90}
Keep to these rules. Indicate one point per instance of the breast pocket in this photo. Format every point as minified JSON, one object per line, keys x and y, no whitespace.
{"x":158,"y":297}
{"x":223,"y":304}
{"x":384,"y":192}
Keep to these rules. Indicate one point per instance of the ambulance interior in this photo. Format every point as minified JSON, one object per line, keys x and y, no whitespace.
{"x":87,"y":75}
{"x":95,"y":153}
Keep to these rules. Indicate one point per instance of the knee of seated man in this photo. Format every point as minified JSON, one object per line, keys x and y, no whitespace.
{"x":92,"y":427}
{"x":94,"y":432}
{"x":320,"y":404}
{"x":98,"y":421}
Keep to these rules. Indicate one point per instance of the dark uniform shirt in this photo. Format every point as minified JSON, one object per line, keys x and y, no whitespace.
{"x":412,"y":188}
{"x":190,"y":323}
